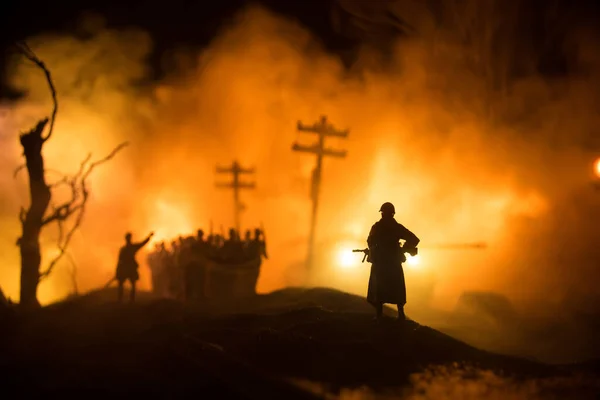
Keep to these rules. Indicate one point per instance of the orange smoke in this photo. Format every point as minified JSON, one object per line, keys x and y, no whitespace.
{"x":452,"y":174}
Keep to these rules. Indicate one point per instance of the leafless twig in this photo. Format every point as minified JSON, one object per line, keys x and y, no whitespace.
{"x":74,"y":207}
{"x":30,"y":55}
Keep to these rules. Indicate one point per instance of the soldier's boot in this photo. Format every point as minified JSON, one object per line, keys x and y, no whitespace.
{"x":120,"y":292}
{"x":132,"y":293}
{"x":401,"y":315}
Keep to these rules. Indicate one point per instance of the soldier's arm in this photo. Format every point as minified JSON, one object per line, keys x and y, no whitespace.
{"x":144,"y":242}
{"x":411,"y":240}
{"x":371,"y":238}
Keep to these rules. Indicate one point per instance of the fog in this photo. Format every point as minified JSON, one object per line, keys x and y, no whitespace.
{"x":421,"y":136}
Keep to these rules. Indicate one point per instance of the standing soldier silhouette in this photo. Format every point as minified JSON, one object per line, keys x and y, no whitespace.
{"x":127,"y":267}
{"x":386,"y":282}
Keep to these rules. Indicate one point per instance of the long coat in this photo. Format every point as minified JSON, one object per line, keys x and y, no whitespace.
{"x":386,"y":281}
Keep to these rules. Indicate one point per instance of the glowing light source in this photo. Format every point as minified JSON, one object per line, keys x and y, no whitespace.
{"x":597,"y":167}
{"x":169,"y":221}
{"x":414,"y":262}
{"x":346,"y":258}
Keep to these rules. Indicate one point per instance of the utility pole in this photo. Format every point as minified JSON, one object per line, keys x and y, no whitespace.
{"x":236,"y":185}
{"x":323,"y":130}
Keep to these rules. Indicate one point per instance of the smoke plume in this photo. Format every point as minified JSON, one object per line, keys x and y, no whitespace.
{"x":465,"y":155}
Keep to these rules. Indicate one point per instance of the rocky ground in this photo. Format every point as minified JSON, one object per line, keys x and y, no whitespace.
{"x":294,"y":343}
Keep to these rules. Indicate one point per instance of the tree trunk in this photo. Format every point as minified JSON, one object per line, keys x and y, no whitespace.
{"x":32,"y":222}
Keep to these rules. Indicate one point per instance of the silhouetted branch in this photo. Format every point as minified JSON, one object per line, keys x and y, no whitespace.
{"x":75,"y":206}
{"x":30,"y":55}
{"x":63,"y":181}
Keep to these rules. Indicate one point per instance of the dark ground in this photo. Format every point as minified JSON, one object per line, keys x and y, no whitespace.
{"x":264,"y":348}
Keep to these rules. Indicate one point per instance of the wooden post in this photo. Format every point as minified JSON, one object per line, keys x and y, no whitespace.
{"x":236,"y":170}
{"x":323,"y":130}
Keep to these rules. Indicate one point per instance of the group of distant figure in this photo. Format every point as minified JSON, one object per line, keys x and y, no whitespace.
{"x":185,"y":270}
{"x":174,"y":270}
{"x":178,"y":270}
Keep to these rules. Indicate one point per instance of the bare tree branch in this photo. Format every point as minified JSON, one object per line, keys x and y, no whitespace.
{"x":76,"y":205}
{"x":30,"y":55}
{"x":34,"y":219}
{"x":77,"y":184}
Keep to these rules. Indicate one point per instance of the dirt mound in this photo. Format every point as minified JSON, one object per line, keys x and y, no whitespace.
{"x":244,"y":349}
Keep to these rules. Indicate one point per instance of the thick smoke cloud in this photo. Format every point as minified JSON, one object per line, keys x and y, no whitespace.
{"x":421,"y":136}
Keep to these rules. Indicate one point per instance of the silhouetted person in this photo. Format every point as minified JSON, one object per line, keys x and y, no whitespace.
{"x":258,"y":247}
{"x":173,"y":268}
{"x":199,"y":245}
{"x":194,"y":271}
{"x":386,"y":282}
{"x":248,"y":253}
{"x":127,"y":267}
{"x":233,"y":248}
{"x":161,"y":259}
{"x":154,"y":263}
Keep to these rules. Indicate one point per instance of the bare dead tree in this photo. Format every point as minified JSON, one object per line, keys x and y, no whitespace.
{"x":34,"y":219}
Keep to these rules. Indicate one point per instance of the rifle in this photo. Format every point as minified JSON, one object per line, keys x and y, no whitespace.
{"x":412,"y":251}
{"x":366,"y":251}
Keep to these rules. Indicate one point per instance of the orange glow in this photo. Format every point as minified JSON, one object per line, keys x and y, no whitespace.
{"x":418,"y":138}
{"x":169,"y":222}
{"x":597,"y":167}
{"x":413,"y":262}
{"x":344,"y":257}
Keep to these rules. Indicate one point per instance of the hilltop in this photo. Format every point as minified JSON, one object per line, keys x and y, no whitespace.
{"x":253,"y":348}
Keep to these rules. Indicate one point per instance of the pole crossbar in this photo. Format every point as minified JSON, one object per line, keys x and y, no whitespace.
{"x":236,"y":184}
{"x":323,"y":129}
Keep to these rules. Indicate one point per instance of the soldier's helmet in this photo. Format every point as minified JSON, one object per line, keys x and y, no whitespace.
{"x":387,"y":208}
{"x":128,"y":236}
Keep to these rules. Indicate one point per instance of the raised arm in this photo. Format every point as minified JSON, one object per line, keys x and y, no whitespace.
{"x":144,"y":242}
